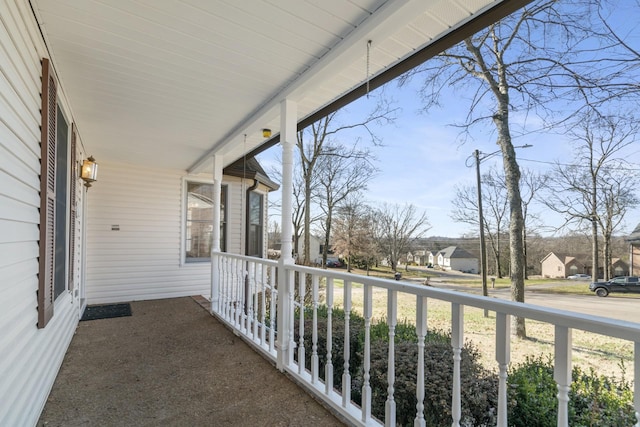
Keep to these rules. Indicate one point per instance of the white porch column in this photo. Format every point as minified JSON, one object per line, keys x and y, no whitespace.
{"x":288,"y":127}
{"x":215,"y":246}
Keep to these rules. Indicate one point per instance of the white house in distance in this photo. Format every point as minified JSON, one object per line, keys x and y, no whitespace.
{"x":167,"y":97}
{"x":456,"y":258}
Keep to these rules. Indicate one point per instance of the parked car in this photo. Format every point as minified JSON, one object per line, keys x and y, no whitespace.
{"x":626,"y":284}
{"x":579,"y":276}
{"x":334,"y":263}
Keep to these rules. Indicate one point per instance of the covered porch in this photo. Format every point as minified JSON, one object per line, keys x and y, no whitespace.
{"x":168,"y":93}
{"x":172,"y":363}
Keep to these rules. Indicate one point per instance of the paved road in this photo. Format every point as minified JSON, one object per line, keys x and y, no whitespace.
{"x":614,"y":306}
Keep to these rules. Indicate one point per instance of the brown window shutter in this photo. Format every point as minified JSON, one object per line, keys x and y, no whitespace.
{"x":74,"y":206}
{"x":47,"y":195}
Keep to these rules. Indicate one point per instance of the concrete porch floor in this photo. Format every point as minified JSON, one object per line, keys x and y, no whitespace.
{"x":172,"y":364}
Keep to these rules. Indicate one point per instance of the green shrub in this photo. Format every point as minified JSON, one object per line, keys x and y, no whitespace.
{"x":356,"y":326}
{"x":478,"y":386}
{"x":595,"y":400}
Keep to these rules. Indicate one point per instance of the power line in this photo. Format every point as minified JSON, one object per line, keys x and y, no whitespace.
{"x":628,"y":169}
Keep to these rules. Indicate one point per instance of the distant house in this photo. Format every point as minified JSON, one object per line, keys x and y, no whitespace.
{"x":619,"y":267}
{"x":315,"y":249}
{"x":421,"y":257}
{"x":556,"y":265}
{"x":634,"y":251}
{"x":457,"y":258}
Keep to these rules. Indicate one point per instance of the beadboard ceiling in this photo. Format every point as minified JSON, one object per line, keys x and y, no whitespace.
{"x":168,"y":82}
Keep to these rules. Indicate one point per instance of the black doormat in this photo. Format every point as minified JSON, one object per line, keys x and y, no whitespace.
{"x":106,"y":311}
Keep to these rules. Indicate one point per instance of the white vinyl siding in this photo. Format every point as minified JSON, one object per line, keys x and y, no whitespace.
{"x":29,"y":358}
{"x":469,"y":265}
{"x":143,"y":258}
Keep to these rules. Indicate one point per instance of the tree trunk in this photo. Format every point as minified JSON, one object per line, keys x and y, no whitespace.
{"x":498,"y":255}
{"x":296,"y":245}
{"x":594,"y":229}
{"x":306,"y":258}
{"x":595,"y":268}
{"x":524,"y":249}
{"x":606,"y":251}
{"x":516,"y":223}
{"x":325,"y":250}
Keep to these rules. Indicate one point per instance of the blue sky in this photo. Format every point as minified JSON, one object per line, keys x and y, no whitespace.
{"x":423,"y":157}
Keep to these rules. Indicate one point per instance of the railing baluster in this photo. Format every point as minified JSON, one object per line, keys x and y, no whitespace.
{"x":503,"y":355}
{"x":222,"y":263}
{"x":244,"y":295}
{"x":273,"y":313}
{"x":392,"y":315}
{"x":227,"y":290}
{"x":236,"y":292}
{"x":328,"y":367}
{"x":562,"y":372}
{"x":291,"y":275}
{"x":457,"y":337}
{"x":248,"y":296}
{"x":314,"y":332}
{"x":366,"y":385}
{"x":233,"y":271}
{"x":263,"y":303}
{"x":346,"y":376}
{"x":257,"y":278}
{"x":230,"y":283}
{"x":421,"y":332}
{"x":301,"y":352}
{"x":636,"y":381}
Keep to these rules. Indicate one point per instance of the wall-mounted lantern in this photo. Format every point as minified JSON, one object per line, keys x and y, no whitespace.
{"x":89,"y":171}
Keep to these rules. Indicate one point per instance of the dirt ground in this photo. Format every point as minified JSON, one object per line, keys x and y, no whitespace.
{"x":172,"y":364}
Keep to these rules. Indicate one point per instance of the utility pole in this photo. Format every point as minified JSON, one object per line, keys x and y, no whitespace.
{"x":483,"y":252}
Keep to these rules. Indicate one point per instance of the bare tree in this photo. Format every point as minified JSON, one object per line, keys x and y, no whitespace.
{"x":617,"y":196}
{"x":298,"y":211}
{"x":397,"y":227}
{"x":580,"y":190}
{"x":518,"y":64}
{"x":495,"y":204}
{"x":312,"y":142}
{"x":532,"y":183}
{"x":341,"y":172}
{"x":352,"y":232}
{"x":273,"y":234}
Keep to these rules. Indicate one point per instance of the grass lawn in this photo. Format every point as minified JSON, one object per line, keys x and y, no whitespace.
{"x":553,"y":286}
{"x":604,"y":354}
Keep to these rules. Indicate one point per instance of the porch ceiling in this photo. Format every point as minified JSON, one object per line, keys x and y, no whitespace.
{"x":167,"y":82}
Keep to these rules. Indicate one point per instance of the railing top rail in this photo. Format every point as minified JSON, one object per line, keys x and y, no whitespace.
{"x":264,"y":261}
{"x":597,"y":324}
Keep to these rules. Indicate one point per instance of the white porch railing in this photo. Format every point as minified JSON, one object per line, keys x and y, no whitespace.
{"x":247,"y":302}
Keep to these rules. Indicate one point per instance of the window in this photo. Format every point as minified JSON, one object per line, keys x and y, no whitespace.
{"x":56,"y":198}
{"x":61,"y":273}
{"x":255,"y":224}
{"x":199,"y":218}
